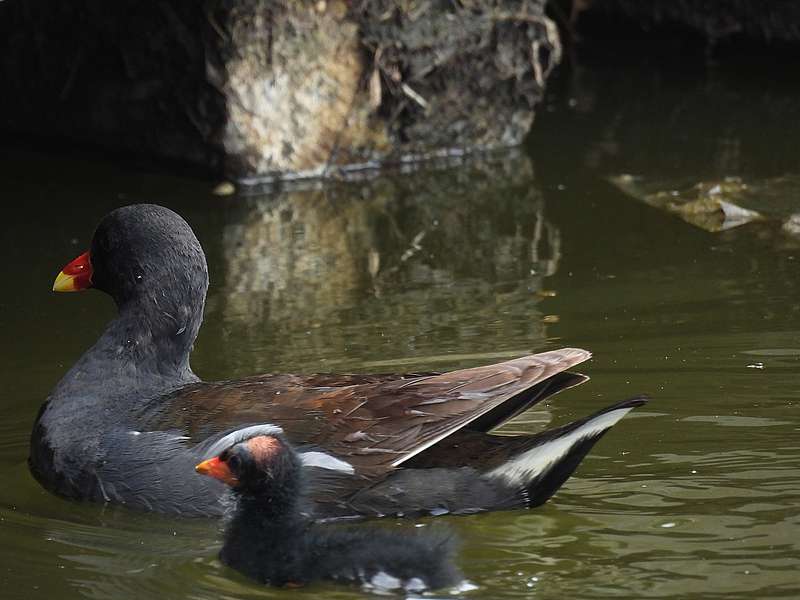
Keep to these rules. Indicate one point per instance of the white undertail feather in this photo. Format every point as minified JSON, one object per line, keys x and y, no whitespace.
{"x":533,"y":463}
{"x":325,"y":461}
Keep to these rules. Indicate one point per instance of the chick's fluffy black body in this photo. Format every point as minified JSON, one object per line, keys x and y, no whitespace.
{"x":270,"y":539}
{"x":299,"y":551}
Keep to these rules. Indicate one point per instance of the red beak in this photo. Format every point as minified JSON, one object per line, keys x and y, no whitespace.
{"x":76,"y":276}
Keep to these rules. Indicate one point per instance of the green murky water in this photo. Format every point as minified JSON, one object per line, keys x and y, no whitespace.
{"x":695,"y":495}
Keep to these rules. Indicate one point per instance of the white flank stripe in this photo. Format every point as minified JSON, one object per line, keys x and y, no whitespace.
{"x":538,"y":460}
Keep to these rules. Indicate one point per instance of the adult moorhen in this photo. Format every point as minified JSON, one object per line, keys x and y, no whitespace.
{"x":269,"y":537}
{"x":130,"y":419}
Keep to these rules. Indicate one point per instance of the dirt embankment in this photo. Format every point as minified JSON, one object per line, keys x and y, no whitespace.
{"x":285,"y":88}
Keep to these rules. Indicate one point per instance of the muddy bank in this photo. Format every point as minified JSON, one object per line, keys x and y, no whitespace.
{"x":284,"y":88}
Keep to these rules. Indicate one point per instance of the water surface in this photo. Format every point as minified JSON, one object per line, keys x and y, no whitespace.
{"x":694,"y":495}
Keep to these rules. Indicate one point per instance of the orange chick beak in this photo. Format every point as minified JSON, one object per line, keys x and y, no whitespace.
{"x":214,"y":467}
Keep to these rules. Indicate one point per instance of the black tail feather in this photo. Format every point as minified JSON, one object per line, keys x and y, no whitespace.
{"x":541,"y":465}
{"x":524,"y":400}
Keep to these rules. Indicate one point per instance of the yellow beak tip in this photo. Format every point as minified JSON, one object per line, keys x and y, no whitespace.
{"x":64,"y":283}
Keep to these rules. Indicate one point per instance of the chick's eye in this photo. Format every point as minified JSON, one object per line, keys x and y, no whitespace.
{"x":233,"y":462}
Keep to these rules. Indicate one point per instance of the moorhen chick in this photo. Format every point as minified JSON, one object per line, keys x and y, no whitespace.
{"x":130,"y":419}
{"x":269,"y":537}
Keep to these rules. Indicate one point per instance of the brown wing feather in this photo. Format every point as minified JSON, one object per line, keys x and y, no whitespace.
{"x":203,"y":409}
{"x":407,"y":417}
{"x":376,"y":422}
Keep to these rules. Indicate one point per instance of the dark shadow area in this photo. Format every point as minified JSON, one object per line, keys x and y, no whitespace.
{"x":645,"y":115}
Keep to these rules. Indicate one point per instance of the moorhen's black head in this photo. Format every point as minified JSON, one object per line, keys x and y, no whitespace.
{"x":141,"y":252}
{"x":149,"y":261}
{"x":262,"y":466}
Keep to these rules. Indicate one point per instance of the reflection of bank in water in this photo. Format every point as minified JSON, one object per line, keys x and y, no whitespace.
{"x":385,"y":268}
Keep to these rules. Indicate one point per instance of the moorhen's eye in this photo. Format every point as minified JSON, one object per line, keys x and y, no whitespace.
{"x":233,"y":462}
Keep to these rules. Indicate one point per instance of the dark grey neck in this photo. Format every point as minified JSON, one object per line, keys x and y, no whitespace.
{"x":143,"y":352}
{"x":156,"y":339}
